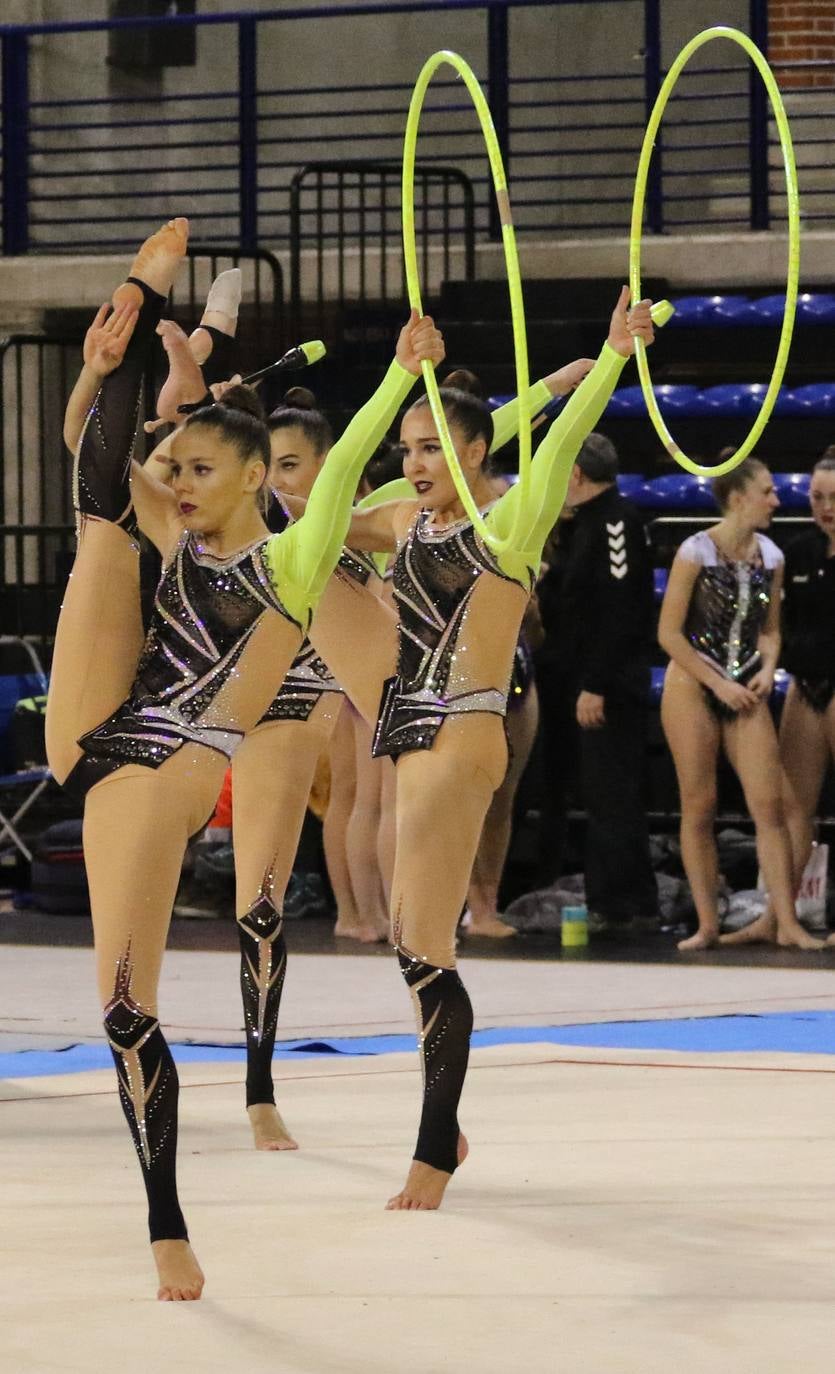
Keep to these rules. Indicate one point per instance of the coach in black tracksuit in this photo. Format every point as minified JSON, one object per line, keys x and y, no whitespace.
{"x":598,"y":614}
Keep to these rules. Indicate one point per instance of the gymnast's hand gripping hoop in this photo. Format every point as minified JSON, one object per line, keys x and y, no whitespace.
{"x":514,"y":281}
{"x":794,"y":248}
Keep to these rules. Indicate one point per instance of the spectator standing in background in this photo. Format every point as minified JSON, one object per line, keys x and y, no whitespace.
{"x":600,"y":621}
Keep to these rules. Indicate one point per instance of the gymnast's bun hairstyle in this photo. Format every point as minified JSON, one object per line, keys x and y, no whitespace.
{"x":826,"y":462}
{"x":384,"y":465}
{"x":240,"y":420}
{"x":736,"y":480}
{"x":298,"y":410}
{"x":461,"y":395}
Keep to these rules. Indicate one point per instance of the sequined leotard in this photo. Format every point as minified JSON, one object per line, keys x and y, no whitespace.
{"x":729,"y":607}
{"x":435,"y":575}
{"x":205,"y":611}
{"x":447,"y":666}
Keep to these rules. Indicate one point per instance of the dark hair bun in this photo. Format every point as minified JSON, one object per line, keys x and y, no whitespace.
{"x":462,"y":380}
{"x":299,"y":398}
{"x":243,"y":398}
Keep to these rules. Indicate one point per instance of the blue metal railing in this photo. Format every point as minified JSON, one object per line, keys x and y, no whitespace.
{"x":226,"y":143}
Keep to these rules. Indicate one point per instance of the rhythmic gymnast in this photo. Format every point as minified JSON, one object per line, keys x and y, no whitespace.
{"x":442,"y":714}
{"x":147,"y":746}
{"x":807,"y":725}
{"x":720,"y":625}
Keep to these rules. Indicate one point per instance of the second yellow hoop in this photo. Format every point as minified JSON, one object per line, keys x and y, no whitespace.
{"x":514,"y":280}
{"x":736,"y":36}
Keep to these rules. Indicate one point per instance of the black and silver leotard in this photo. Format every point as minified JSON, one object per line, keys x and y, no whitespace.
{"x":809,"y":618}
{"x":436,"y":572}
{"x":729,"y":606}
{"x":309,"y":677}
{"x":205,"y":612}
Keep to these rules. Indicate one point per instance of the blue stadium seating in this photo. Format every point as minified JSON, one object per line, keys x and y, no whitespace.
{"x":660,"y":578}
{"x":680,"y":491}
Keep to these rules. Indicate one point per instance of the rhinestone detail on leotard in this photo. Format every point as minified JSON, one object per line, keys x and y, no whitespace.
{"x":205,"y":612}
{"x":435,"y":574}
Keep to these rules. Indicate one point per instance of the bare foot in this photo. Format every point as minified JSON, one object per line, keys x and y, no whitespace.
{"x":425,"y":1186}
{"x":268,"y":1129}
{"x":180,"y":1276}
{"x":761,"y":931}
{"x":366,"y":932}
{"x":795,"y":936}
{"x":491,"y":926}
{"x":184,"y":383}
{"x":703,"y":939}
{"x":157,"y":261}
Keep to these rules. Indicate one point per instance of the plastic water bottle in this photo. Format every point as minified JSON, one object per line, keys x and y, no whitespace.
{"x":575,"y":927}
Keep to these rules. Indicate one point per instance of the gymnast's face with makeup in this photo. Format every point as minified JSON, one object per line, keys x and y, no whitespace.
{"x":424,"y":464}
{"x":212,"y":478}
{"x":294,"y":461}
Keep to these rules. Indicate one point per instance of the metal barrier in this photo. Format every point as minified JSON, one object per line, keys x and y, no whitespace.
{"x":351,"y":288}
{"x":86,"y":164}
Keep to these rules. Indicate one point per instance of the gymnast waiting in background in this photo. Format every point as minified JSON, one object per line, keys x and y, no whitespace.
{"x":720,"y":625}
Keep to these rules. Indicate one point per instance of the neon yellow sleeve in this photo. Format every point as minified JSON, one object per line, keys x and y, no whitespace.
{"x":551,"y":468}
{"x":398,"y":490}
{"x":506,"y":418}
{"x":302,"y":558}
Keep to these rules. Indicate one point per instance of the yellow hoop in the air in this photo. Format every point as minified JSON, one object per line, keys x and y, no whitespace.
{"x":794,"y":248}
{"x":514,"y":280}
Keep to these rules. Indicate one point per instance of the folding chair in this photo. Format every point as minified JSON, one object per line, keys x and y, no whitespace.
{"x":34,"y":780}
{"x":21,"y":675}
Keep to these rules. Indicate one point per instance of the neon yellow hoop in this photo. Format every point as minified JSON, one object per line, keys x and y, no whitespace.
{"x":794,"y":248}
{"x":514,"y":281}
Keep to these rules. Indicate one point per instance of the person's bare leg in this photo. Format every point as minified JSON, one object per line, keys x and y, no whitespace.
{"x":803,"y":754}
{"x":363,"y":829}
{"x":272,"y":773}
{"x":184,"y":384}
{"x":100,"y":636}
{"x":136,"y":815}
{"x":387,"y":833}
{"x":491,"y":856}
{"x":693,"y":737}
{"x":221,"y":313}
{"x":442,"y":799}
{"x":751,"y":745}
{"x":351,"y":922}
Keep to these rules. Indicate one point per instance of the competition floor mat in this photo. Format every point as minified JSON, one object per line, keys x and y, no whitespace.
{"x":650,"y":1178}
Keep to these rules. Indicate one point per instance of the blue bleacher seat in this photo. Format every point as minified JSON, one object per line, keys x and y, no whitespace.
{"x":660,"y":578}
{"x":792,"y":489}
{"x":678,"y":399}
{"x":691,"y":310}
{"x":816,"y":308}
{"x":631,"y":485}
{"x":732,"y":311}
{"x":680,"y":491}
{"x":656,"y":685}
{"x":781,"y":683}
{"x":769,"y":309}
{"x":816,"y":398}
{"x":627,"y":400}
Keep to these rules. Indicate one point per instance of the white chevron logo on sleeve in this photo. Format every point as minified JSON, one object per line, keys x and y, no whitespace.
{"x":618,"y":572}
{"x":614,"y":529}
{"x":618,"y":542}
{"x":617,"y":557}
